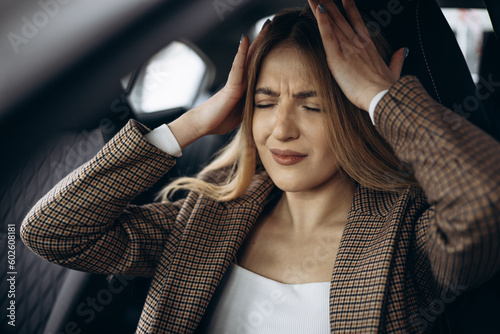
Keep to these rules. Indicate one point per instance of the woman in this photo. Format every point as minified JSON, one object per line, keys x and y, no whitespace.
{"x":307,"y":222}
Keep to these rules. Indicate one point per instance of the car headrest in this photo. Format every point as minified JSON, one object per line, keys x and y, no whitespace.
{"x":435,"y":57}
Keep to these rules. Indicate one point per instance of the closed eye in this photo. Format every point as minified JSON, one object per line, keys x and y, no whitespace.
{"x":312,"y":109}
{"x":263,"y":106}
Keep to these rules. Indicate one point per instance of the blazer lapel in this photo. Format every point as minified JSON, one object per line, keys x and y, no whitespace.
{"x":363,"y":261}
{"x":213,"y":235}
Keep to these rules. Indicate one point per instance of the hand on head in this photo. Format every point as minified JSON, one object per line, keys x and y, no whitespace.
{"x":352,"y":57}
{"x":222,"y":112}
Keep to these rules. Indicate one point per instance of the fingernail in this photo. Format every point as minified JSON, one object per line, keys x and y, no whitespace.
{"x":321,"y":7}
{"x":406,"y":52}
{"x":241,"y":38}
{"x":265,"y":24}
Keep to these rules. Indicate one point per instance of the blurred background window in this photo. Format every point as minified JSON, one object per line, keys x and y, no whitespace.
{"x":470,"y":27}
{"x":171,"y":79}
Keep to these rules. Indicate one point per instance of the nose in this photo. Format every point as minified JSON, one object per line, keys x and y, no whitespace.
{"x":285,"y":126}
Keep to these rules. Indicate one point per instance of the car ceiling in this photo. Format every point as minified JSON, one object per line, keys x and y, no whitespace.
{"x":72,"y":74}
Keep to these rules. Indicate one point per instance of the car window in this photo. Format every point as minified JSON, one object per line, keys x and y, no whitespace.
{"x":257,"y":27}
{"x":469,"y":26}
{"x":171,"y":79}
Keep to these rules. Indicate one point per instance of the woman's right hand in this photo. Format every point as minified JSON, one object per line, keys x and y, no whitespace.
{"x":223,"y":111}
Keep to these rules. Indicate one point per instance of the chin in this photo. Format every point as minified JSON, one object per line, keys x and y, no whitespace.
{"x":300,"y":181}
{"x":292,"y":184}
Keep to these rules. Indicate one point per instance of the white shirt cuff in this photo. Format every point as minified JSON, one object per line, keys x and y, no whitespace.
{"x":376,"y":99}
{"x":163,"y":138}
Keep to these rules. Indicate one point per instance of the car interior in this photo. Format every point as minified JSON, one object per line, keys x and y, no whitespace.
{"x":72,"y":73}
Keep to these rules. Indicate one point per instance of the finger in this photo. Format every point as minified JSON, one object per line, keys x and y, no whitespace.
{"x":356,"y":20}
{"x":397,"y":61}
{"x":357,"y":39}
{"x":348,"y":45}
{"x":329,"y":33}
{"x":237,"y":73}
{"x":347,"y":39}
{"x":339,"y":19}
{"x":313,"y":4}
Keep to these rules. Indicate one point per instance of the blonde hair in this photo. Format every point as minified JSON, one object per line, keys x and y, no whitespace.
{"x":361,"y":153}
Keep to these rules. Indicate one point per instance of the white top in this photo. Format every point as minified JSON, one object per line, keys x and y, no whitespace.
{"x":246,"y":302}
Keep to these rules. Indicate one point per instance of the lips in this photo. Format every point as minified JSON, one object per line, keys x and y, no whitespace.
{"x":287,"y":157}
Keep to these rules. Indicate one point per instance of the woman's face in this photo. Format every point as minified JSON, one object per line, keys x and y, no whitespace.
{"x":288,"y":124}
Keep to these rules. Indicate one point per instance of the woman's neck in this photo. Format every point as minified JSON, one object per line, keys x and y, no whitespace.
{"x":325,"y":206}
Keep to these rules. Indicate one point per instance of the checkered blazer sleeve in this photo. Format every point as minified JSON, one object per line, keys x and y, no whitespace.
{"x":458,"y":167}
{"x":86,"y":222}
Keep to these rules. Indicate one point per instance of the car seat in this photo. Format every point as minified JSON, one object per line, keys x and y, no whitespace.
{"x":49,"y":294}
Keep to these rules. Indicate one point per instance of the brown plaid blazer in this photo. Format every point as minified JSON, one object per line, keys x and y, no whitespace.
{"x":402,"y":257}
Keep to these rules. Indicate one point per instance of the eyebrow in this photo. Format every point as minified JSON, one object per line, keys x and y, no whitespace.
{"x":300,"y":95}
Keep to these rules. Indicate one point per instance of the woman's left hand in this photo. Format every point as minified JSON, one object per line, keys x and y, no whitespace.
{"x":352,"y":57}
